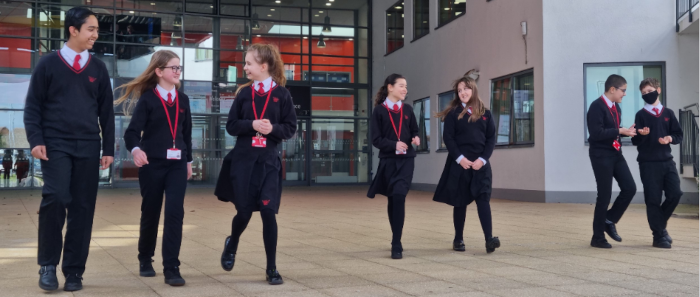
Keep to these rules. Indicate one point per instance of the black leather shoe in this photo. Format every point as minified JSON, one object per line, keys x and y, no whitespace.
{"x":396,"y":252}
{"x":227,"y":258}
{"x":273,"y":277}
{"x":600,"y":243}
{"x":146,"y":269}
{"x":74,"y":282}
{"x":172,"y":277}
{"x":612,"y":232}
{"x":662,"y":243}
{"x":492,"y":244}
{"x":668,"y":237}
{"x":458,"y":246}
{"x":47,"y":278}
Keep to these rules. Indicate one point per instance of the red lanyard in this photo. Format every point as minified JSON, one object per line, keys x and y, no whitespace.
{"x":252,"y":88}
{"x":167,"y":113}
{"x":398,"y":133}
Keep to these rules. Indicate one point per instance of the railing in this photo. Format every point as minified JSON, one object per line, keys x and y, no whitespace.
{"x":683,"y":7}
{"x":689,"y":146}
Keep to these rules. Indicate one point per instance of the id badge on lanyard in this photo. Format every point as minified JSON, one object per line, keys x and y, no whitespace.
{"x":398,"y":132}
{"x":259,"y":140}
{"x":172,"y":153}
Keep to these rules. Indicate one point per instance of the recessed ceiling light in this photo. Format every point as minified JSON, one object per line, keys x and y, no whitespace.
{"x":350,"y":39}
{"x":306,"y":37}
{"x":272,"y":9}
{"x":269,"y":15}
{"x":152,"y":3}
{"x":278,"y":1}
{"x":316,"y":15}
{"x":131,"y":11}
{"x":258,"y":35}
{"x":320,"y":11}
{"x":328,"y":4}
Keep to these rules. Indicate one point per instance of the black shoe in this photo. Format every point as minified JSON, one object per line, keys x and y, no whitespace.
{"x":47,"y":278}
{"x":146,"y":269}
{"x":668,"y":237}
{"x":227,"y":258}
{"x":458,"y":246}
{"x":600,"y":243}
{"x":397,"y":252}
{"x":74,"y":282}
{"x":172,"y":277}
{"x":492,"y":244}
{"x":273,"y":277}
{"x":612,"y":232}
{"x":662,"y":243}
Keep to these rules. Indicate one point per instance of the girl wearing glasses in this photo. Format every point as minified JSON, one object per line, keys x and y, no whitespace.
{"x":159,"y":138}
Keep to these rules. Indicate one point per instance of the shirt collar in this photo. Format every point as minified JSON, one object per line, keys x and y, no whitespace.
{"x":650,"y":107}
{"x":607,"y":101}
{"x":268,"y":83}
{"x":164,"y":93}
{"x":69,"y":54}
{"x":390,"y":104}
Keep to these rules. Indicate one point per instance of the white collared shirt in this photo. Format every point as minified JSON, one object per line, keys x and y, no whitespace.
{"x":607,"y":101}
{"x":462,"y":156}
{"x":164,"y":93}
{"x":391,"y":104}
{"x":268,"y":83}
{"x":69,"y":55}
{"x":650,"y":108}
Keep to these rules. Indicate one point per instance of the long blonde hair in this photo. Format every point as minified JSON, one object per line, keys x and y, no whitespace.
{"x":475,"y":102}
{"x":270,"y":55}
{"x":144,"y":82}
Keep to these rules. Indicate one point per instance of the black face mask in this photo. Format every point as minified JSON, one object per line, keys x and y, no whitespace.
{"x":650,"y":97}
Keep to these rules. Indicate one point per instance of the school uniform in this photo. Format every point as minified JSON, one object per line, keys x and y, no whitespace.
{"x":656,"y":166}
{"x":390,"y":123}
{"x":7,"y":165}
{"x":157,"y":114}
{"x":69,"y":106}
{"x":251,"y":174}
{"x":605,"y":152}
{"x":22,"y":168}
{"x":459,"y":187}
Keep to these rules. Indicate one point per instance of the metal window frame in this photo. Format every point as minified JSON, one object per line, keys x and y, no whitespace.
{"x":511,"y":126}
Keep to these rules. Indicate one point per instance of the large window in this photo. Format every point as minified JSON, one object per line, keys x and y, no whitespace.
{"x":512,"y":106}
{"x":421,"y":16}
{"x":444,"y":101}
{"x":421,"y":109}
{"x":594,"y":81}
{"x":450,"y":10}
{"x":394,"y":27}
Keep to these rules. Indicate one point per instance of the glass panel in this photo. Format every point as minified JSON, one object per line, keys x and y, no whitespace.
{"x":333,"y":102}
{"x":394,"y":27}
{"x":329,"y":17}
{"x":146,"y":27}
{"x":107,"y":3}
{"x":13,"y":88}
{"x":225,"y":93}
{"x":523,"y":108}
{"x":277,"y":13}
{"x":421,"y":110}
{"x":229,"y":141}
{"x":124,"y":168}
{"x":338,"y":151}
{"x":334,"y":46}
{"x":294,"y":155}
{"x":199,"y":32}
{"x":200,"y":6}
{"x":157,"y":5}
{"x":132,"y":60}
{"x":234,"y":7}
{"x":205,"y":167}
{"x":450,"y":9}
{"x":12,"y":133}
{"x":421,"y":16}
{"x":339,"y":167}
{"x":500,"y":108}
{"x":634,"y":74}
{"x":443,"y":102}
{"x":17,"y":18}
{"x":200,"y":96}
{"x":235,"y":34}
{"x":18,"y":169}
{"x":16,"y":55}
{"x":51,"y":19}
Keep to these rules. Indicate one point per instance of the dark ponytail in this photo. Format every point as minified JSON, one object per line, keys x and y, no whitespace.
{"x":384,"y":89}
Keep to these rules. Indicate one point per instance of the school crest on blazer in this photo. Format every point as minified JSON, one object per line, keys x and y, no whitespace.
{"x":92,"y":79}
{"x":666,"y":119}
{"x":275,"y":99}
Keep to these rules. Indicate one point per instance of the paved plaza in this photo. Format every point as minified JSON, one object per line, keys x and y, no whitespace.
{"x":335,"y":242}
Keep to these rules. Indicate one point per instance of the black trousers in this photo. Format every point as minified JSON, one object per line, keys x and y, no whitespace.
{"x":658,"y":177}
{"x":605,"y":169}
{"x":70,"y":189}
{"x":158,"y":177}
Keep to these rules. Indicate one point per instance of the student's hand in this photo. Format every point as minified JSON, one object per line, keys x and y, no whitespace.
{"x":466,"y":164}
{"x":644,"y":131}
{"x":665,"y":140}
{"x":189,"y":171}
{"x":39,"y":152}
{"x":266,"y":127}
{"x":401,"y":147}
{"x":476,"y":165}
{"x":106,"y":161}
{"x":416,"y":140}
{"x":631,"y":131}
{"x":140,"y":158}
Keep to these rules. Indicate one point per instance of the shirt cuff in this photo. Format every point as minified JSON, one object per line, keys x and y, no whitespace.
{"x":459,"y":159}
{"x":483,"y":160}
{"x":135,"y":148}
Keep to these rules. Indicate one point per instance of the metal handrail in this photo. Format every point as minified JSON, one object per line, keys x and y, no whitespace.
{"x":683,"y":7}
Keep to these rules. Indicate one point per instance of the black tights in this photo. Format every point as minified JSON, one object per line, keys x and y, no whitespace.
{"x":269,"y":221}
{"x":459,"y":214}
{"x":397,"y":213}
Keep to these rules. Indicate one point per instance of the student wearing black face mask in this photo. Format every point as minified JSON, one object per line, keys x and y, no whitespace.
{"x":658,"y":127}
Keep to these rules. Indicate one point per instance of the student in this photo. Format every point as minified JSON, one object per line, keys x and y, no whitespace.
{"x":7,"y":164}
{"x":262,"y":116}
{"x":393,"y":127}
{"x":657,"y":129}
{"x":470,"y":136}
{"x":605,"y":151}
{"x":69,"y":104}
{"x":163,"y":154}
{"x":21,"y":166}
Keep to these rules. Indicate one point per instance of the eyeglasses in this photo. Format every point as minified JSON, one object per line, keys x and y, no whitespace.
{"x":623,"y":90}
{"x":174,"y":68}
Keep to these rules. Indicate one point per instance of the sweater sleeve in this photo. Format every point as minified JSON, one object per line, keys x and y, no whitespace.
{"x":235,"y":125}
{"x":639,"y":124}
{"x":490,"y":138}
{"x":132,"y":135}
{"x":596,"y":127}
{"x":36,"y":95}
{"x":106,"y":114}
{"x":187,"y":131}
{"x":449,"y":133}
{"x":287,"y":125}
{"x":674,"y":129}
{"x":378,"y":140}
